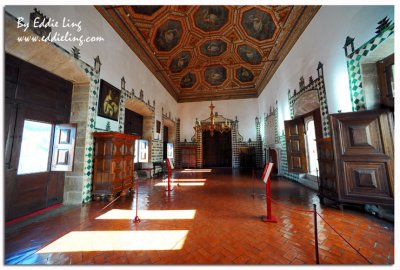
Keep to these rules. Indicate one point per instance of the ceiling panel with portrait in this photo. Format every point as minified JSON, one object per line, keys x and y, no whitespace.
{"x":197,"y":50}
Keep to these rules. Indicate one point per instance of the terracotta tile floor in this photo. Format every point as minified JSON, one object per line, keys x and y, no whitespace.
{"x":223,"y":227}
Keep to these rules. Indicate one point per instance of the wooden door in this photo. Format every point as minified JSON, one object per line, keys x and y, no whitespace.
{"x":217,"y":149}
{"x":363,"y":147}
{"x":31,"y":191}
{"x":188,"y":154}
{"x":247,"y":157}
{"x":133,"y":123}
{"x":33,"y":97}
{"x":295,"y":145}
{"x":327,"y":170}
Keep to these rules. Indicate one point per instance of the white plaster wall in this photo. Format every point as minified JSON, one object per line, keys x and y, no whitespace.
{"x":246,"y":111}
{"x":116,"y":57}
{"x":323,"y":42}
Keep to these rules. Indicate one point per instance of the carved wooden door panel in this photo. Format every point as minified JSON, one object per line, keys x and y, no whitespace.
{"x":26,"y":184}
{"x":327,"y":169}
{"x":128,"y":163}
{"x":32,"y":182}
{"x":113,"y":167}
{"x":188,"y":156}
{"x":217,"y":149}
{"x":63,"y":147}
{"x":363,"y":147}
{"x":35,"y":102}
{"x":295,"y":146}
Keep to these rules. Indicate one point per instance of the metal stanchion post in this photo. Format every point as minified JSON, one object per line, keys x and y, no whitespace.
{"x":267,"y":179}
{"x":137,"y":219}
{"x":169,"y":179}
{"x":316,"y":234}
{"x":252,"y":179}
{"x":269,"y":217}
{"x":169,"y":176}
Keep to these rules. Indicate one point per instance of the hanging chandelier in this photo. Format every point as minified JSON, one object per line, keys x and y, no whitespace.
{"x":213,"y":123}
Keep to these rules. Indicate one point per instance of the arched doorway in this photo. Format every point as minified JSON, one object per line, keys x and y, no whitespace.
{"x":217,"y":149}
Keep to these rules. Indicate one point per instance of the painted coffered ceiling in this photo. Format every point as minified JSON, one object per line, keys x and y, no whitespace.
{"x":210,"y":52}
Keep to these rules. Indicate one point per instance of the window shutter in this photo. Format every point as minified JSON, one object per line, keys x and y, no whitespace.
{"x":295,"y":146}
{"x":63,"y":147}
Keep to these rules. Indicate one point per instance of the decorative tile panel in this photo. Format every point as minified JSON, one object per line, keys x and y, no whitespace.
{"x":319,"y":85}
{"x":258,"y":144}
{"x":91,"y":118}
{"x":354,"y":59}
{"x":270,"y":124}
{"x":177,"y":150}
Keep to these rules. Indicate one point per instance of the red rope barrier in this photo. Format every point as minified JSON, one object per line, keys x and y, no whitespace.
{"x":310,"y":211}
{"x":344,"y":239}
{"x":108,"y":204}
{"x":290,"y":208}
{"x":61,"y":235}
{"x":32,"y":214}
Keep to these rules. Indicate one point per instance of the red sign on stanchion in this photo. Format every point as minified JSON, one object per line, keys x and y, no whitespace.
{"x":266,"y":178}
{"x":170,"y":167}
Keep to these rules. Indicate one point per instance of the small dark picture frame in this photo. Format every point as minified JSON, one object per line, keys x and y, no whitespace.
{"x":109,"y":96}
{"x":158,"y":126}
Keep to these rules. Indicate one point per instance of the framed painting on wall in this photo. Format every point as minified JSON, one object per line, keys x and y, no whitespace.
{"x":108,"y":106}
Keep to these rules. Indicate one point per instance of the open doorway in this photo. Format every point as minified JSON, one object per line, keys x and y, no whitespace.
{"x":311,"y":146}
{"x":302,"y":134}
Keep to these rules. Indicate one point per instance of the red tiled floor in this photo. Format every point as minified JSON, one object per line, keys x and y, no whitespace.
{"x":226,"y":228}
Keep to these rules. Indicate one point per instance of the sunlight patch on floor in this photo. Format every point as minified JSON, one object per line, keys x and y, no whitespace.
{"x":117,"y":241}
{"x":195,"y":170}
{"x":188,"y":180}
{"x":179,"y":184}
{"x":148,"y":214}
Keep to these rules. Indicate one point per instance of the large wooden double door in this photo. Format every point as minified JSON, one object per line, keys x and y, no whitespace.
{"x":217,"y":149}
{"x":35,"y":103}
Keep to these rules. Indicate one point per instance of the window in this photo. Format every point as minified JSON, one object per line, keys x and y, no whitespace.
{"x":141,"y":151}
{"x":35,"y":147}
{"x":135,"y":154}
